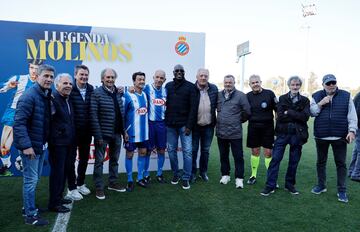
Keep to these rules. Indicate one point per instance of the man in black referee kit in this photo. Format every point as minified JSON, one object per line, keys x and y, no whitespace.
{"x":261,"y":124}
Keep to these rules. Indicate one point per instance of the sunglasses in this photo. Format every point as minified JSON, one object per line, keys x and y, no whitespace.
{"x":179,"y":71}
{"x":331,"y":83}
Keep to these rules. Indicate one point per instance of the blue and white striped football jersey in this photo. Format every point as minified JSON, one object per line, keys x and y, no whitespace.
{"x":136,"y":117}
{"x":157,"y":102}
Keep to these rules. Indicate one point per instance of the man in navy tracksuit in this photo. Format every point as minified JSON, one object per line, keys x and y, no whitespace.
{"x":62,"y":140}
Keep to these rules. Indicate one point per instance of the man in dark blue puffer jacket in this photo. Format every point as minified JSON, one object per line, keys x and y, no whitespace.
{"x":31,"y":134}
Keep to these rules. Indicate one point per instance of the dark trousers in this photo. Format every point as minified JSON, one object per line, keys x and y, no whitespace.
{"x":237,"y":151}
{"x":59,"y":158}
{"x":277,"y":155}
{"x":114,"y":153}
{"x":201,"y":135}
{"x":84,"y":152}
{"x":70,"y":163}
{"x":339,"y":150}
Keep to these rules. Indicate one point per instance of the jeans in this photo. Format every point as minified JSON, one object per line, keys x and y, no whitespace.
{"x":237,"y":151}
{"x":278,"y":154}
{"x":173,"y":135}
{"x":339,"y":150}
{"x":32,"y":173}
{"x":204,"y":136}
{"x":354,"y":168}
{"x":114,"y":153}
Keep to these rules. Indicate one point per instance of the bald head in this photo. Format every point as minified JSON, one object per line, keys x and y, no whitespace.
{"x":159,"y":78}
{"x":179,"y":72}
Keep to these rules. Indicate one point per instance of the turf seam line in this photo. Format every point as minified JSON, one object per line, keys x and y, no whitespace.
{"x":62,"y":220}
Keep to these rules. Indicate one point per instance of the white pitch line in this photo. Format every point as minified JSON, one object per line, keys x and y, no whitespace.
{"x":62,"y":220}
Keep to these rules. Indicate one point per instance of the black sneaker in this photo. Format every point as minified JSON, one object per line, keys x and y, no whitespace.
{"x":147,"y":179}
{"x":130,"y":186}
{"x":175,"y":180}
{"x":65,"y":201}
{"x":251,"y":180}
{"x":292,"y":190}
{"x":36,"y":220}
{"x":267,"y":191}
{"x":185,"y":184}
{"x":204,"y":176}
{"x":161,"y":179}
{"x":141,"y":183}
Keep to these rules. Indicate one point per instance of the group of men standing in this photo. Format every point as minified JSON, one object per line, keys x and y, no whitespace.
{"x":152,"y":117}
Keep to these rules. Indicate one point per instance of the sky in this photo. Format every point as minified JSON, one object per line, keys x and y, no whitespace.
{"x":282,"y":42}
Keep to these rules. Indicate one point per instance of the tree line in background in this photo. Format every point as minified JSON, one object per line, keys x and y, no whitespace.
{"x":279,"y":86}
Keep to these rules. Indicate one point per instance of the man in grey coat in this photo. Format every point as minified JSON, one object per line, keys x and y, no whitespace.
{"x":233,"y":109}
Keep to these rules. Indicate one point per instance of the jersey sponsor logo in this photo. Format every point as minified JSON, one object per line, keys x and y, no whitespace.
{"x":182,"y":48}
{"x":158,"y":102}
{"x":141,"y":111}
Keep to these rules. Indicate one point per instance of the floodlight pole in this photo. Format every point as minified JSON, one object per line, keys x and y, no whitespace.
{"x":242,"y":51}
{"x":308,"y":10}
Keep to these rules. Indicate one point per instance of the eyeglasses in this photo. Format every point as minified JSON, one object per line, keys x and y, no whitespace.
{"x":179,"y":71}
{"x":331,"y":83}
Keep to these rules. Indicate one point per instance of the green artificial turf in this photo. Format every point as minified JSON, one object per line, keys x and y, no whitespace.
{"x":206,"y":206}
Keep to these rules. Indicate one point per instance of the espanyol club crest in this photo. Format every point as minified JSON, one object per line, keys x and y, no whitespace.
{"x":181,"y":47}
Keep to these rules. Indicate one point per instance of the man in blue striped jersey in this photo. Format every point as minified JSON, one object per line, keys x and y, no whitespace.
{"x":156,"y":95}
{"x":136,"y":129}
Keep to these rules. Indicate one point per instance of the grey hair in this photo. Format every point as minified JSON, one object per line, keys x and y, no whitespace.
{"x":45,"y":67}
{"x":61,"y":75}
{"x":294,"y":78}
{"x":202,"y":69}
{"x":104,"y":71}
{"x":229,"y":76}
{"x":254,"y":76}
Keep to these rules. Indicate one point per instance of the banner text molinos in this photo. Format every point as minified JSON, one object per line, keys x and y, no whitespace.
{"x":88,"y":46}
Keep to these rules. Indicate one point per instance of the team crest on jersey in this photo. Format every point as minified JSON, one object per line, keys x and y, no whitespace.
{"x":158,"y":102}
{"x":141,"y":111}
{"x":263,"y":105}
{"x":182,"y":48}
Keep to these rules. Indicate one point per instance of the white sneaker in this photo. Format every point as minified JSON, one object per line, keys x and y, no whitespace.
{"x":74,"y":195}
{"x":225,"y":179}
{"x":83,"y":190}
{"x":239,"y":183}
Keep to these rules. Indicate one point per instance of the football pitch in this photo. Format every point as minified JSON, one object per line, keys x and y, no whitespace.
{"x":206,"y":206}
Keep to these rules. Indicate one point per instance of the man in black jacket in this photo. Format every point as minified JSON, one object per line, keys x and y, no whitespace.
{"x":203,"y":132}
{"x":80,"y":99}
{"x":180,"y":117}
{"x":62,"y":139}
{"x":293,"y":112}
{"x":107,"y":112}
